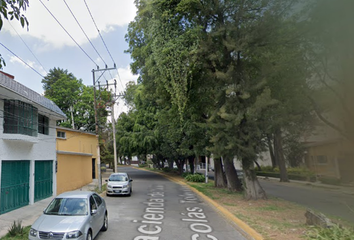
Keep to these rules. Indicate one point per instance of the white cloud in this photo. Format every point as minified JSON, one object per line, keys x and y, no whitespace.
{"x":31,"y":64}
{"x":126,"y":75}
{"x":107,"y":14}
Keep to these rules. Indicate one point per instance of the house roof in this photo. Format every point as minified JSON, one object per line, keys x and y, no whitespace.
{"x":7,"y":82}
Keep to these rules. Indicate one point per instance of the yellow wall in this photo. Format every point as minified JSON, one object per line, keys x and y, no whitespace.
{"x":74,"y":156}
{"x":77,"y":141}
{"x":73,"y":172}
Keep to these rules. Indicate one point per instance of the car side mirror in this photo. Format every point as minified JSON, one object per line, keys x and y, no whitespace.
{"x":93,"y":211}
{"x":106,"y":180}
{"x":130,"y":180}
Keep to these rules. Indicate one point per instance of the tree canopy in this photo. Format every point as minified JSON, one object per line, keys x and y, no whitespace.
{"x":227,"y":78}
{"x":75,"y":99}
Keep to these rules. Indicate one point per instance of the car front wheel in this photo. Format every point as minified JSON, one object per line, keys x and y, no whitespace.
{"x":105,"y":223}
{"x":89,"y":236}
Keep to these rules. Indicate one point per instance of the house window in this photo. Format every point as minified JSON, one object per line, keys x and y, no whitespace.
{"x":322,"y":160}
{"x":43,"y":124}
{"x":61,"y":134}
{"x":20,"y":118}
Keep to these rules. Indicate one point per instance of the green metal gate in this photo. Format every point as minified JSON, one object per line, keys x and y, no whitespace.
{"x":14,"y":185}
{"x":43,"y":180}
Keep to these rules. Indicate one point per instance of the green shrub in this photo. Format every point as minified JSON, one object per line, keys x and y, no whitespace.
{"x":195,"y":178}
{"x":266,"y":169}
{"x":16,"y":229}
{"x":268,"y":174}
{"x":185,"y":174}
{"x":333,"y":233}
{"x":166,"y":169}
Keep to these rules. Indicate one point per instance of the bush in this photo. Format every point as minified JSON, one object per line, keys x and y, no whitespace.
{"x":333,"y":233}
{"x":266,"y":169}
{"x":166,"y":169}
{"x":16,"y":229}
{"x":195,"y":178}
{"x":302,"y":174}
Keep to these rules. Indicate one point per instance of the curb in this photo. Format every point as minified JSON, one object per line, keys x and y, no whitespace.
{"x":243,"y":227}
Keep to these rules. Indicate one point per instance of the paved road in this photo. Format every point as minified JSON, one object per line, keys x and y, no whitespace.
{"x":160,"y":209}
{"x":333,"y":201}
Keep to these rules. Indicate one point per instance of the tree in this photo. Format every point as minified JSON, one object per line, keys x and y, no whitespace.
{"x":330,"y":57}
{"x":220,"y":52}
{"x":10,"y":9}
{"x":75,"y":99}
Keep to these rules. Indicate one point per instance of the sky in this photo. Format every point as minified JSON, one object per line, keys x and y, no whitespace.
{"x":59,"y":42}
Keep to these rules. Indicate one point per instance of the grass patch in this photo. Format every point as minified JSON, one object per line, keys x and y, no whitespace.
{"x":16,"y":234}
{"x":271,"y":208}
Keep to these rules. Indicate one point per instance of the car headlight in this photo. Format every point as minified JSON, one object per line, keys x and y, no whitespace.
{"x":110,"y":186}
{"x":74,"y":234}
{"x":33,"y":232}
{"x":124,"y":186}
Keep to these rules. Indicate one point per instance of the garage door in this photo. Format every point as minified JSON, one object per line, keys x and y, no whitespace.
{"x":43,"y":180}
{"x":14,"y":185}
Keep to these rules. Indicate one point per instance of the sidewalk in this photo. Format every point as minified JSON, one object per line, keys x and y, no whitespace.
{"x":28,"y":214}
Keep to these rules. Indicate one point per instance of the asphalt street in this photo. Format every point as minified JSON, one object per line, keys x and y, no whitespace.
{"x":160,"y":209}
{"x":333,"y":201}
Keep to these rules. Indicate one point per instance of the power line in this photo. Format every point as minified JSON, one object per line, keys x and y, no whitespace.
{"x":104,"y":43}
{"x":27,"y":46}
{"x":84,"y":32}
{"x":68,"y":33}
{"x":88,"y":9}
{"x":21,"y":60}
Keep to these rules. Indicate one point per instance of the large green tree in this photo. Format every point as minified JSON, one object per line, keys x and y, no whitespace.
{"x":216,"y":70}
{"x":76,"y":100}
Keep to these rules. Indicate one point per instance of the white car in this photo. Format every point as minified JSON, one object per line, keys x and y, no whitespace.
{"x":119,"y":184}
{"x":72,"y":215}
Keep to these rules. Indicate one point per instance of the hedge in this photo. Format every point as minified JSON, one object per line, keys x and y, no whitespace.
{"x":290,"y":176}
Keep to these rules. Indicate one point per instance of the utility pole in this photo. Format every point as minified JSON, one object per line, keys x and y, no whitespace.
{"x":96,"y":123}
{"x":114,"y":137}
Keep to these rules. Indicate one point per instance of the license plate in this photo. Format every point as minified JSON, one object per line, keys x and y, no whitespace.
{"x":117,"y":191}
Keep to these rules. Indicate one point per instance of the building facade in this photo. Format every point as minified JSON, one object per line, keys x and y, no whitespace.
{"x":27,"y":145}
{"x":76,"y":159}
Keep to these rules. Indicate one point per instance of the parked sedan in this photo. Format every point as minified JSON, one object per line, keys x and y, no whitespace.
{"x":72,"y":215}
{"x":119,"y":184}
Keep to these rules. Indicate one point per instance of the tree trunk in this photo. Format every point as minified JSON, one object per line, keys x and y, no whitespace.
{"x":258,"y":166}
{"x":271,"y":151}
{"x":233,"y":182}
{"x":253,"y":190}
{"x":279,"y":155}
{"x":191,"y":163}
{"x":180,"y":164}
{"x":219,"y":176}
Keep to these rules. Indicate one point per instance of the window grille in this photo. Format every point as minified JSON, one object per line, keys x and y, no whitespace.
{"x":43,"y":124}
{"x":20,"y":118}
{"x":61,"y":134}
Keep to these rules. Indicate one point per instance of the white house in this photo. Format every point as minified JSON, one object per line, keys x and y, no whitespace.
{"x":27,"y":145}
